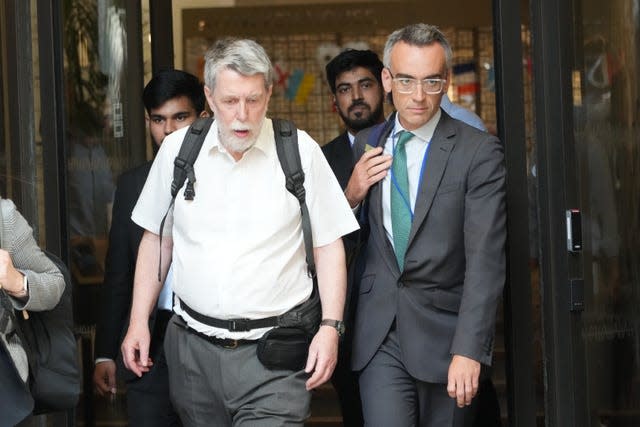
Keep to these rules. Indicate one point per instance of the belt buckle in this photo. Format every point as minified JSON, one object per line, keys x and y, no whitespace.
{"x":230,"y":344}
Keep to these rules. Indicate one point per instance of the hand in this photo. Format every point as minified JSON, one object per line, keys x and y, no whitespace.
{"x":11,"y":280}
{"x":464,"y":374}
{"x":371,"y":168}
{"x":135,"y":349}
{"x":104,"y":377}
{"x":323,"y":356}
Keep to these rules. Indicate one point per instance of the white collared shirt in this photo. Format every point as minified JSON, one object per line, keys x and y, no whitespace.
{"x":416,"y":148}
{"x":352,"y":138}
{"x":238,"y":248}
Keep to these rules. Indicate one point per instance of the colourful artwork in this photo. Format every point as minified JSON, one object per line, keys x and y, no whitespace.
{"x":299,"y":86}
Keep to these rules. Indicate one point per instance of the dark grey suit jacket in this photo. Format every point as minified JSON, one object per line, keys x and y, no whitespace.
{"x":445,"y":299}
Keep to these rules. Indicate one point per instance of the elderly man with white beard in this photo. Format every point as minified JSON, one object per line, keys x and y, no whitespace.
{"x":238,"y":255}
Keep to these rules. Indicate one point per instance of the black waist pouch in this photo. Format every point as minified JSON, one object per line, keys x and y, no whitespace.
{"x":287,"y":345}
{"x":284,"y":348}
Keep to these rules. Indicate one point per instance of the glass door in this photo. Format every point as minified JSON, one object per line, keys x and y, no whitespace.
{"x":587,"y":110}
{"x":105,"y":127}
{"x":104,"y":122}
{"x":606,"y":114}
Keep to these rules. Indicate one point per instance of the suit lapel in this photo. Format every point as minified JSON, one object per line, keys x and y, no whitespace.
{"x":344,"y":159}
{"x":375,"y":212}
{"x":440,"y":148}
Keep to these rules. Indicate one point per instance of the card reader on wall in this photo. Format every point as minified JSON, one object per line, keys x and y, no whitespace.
{"x":574,"y":230}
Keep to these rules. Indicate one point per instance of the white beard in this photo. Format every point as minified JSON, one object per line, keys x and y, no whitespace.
{"x":238,"y":145}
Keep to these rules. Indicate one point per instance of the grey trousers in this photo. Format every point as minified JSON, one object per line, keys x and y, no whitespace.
{"x":392,"y":397}
{"x":215,"y":386}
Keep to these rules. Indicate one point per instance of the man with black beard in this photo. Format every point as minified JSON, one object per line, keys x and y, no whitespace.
{"x":354,"y":77}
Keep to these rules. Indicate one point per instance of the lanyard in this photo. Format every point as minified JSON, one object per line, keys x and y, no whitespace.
{"x":405,"y":197}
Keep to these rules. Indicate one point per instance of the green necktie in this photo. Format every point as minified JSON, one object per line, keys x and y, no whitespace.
{"x":400,"y":199}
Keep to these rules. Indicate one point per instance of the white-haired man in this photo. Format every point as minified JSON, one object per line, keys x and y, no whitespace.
{"x":237,"y":252}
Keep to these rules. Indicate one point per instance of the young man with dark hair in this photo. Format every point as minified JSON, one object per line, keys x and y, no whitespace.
{"x":354,"y":77}
{"x":173,"y":99}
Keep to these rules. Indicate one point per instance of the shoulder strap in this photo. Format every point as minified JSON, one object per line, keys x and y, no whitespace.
{"x":183,"y":167}
{"x":286,"y":136}
{"x":189,"y":150}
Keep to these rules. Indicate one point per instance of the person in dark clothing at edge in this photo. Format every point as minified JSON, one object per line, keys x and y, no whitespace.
{"x":354,"y":77}
{"x":173,"y":99}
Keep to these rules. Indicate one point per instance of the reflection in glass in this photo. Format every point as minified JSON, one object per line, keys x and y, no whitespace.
{"x":606,"y":116}
{"x":95,"y":41}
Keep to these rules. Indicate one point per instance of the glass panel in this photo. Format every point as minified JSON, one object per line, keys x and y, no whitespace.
{"x":101,"y":106}
{"x":95,"y":43}
{"x":607,"y":136}
{"x":3,"y":131}
{"x":20,"y":142}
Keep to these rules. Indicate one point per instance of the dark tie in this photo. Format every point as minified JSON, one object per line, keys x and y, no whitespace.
{"x":400,"y":199}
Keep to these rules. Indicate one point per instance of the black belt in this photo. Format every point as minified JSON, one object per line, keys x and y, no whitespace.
{"x":232,"y":325}
{"x":222,"y":342}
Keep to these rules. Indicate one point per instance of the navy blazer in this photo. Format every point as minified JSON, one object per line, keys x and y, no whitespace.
{"x":444,"y":300}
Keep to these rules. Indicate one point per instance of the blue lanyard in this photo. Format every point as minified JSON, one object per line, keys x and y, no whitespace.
{"x":405,"y":197}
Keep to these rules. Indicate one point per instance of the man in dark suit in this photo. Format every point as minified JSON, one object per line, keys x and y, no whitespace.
{"x":433,"y":193}
{"x":173,"y":99}
{"x":354,"y":77}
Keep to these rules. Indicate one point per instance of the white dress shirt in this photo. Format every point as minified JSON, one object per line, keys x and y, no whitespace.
{"x":238,"y":248}
{"x":416,"y":149}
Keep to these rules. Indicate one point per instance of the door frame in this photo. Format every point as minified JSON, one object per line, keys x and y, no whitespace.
{"x":53,"y":128}
{"x":517,"y":299}
{"x":558,"y":191}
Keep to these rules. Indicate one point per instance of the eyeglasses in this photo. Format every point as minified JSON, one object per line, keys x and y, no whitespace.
{"x":409,"y":85}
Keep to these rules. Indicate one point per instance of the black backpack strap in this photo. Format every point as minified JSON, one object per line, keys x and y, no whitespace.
{"x":286,"y":136}
{"x":189,"y":150}
{"x":183,"y":168}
